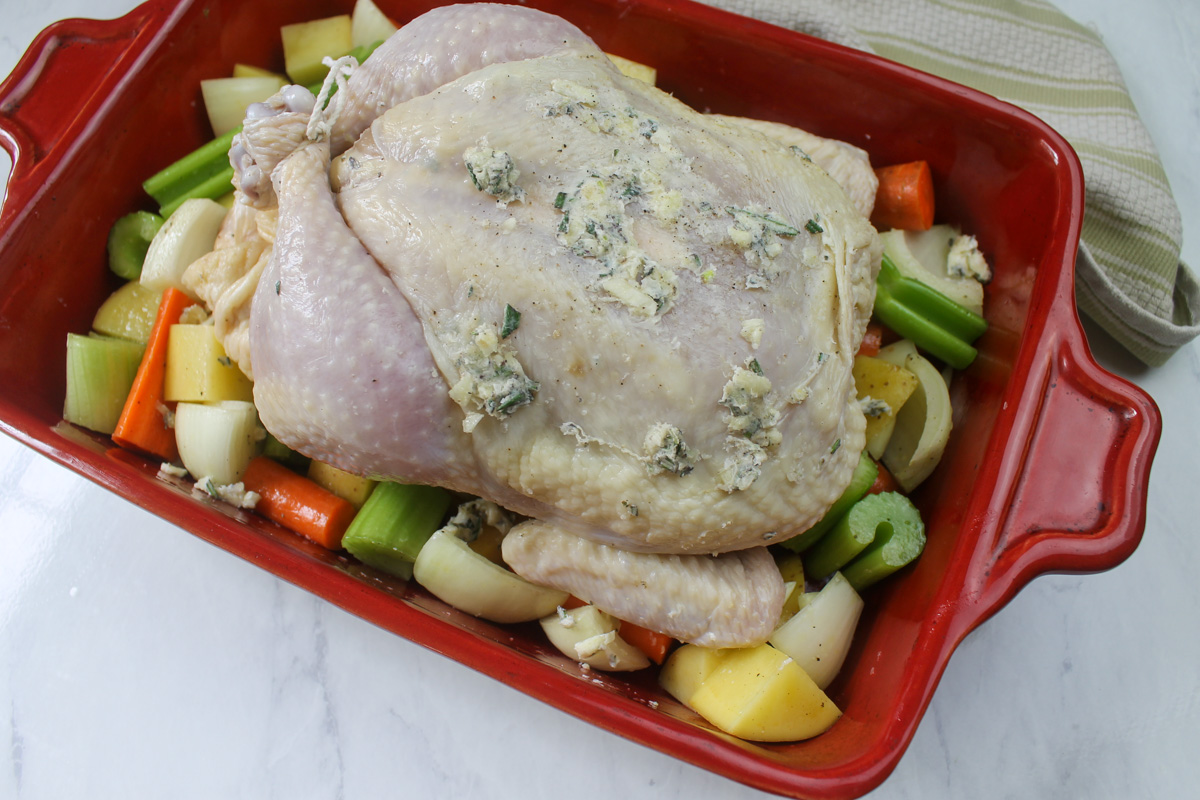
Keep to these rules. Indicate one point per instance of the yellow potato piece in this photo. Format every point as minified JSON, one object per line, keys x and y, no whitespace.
{"x":686,"y":670}
{"x":633,"y":69}
{"x":756,"y":693}
{"x":354,"y":489}
{"x":889,"y":383}
{"x":306,"y":43}
{"x":199,"y":371}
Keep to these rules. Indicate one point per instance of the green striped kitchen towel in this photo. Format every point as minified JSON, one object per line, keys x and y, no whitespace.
{"x":1128,"y":274}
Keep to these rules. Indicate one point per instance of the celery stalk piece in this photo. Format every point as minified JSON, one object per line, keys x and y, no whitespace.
{"x":896,"y":545}
{"x":876,"y":516}
{"x":212,"y":188}
{"x":864,"y":475}
{"x":172,"y":185}
{"x":394,"y":524}
{"x":128,"y":240}
{"x":100,"y":372}
{"x":278,"y":451}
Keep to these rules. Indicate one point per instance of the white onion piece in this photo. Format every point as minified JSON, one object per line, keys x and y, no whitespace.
{"x":217,"y":440}
{"x":457,"y":575}
{"x":589,"y":635}
{"x":818,"y":636}
{"x":922,"y":424}
{"x":186,"y":235}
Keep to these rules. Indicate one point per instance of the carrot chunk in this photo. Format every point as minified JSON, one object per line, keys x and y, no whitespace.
{"x":297,"y":503}
{"x":142,"y":426}
{"x":904,"y":199}
{"x":654,"y":644}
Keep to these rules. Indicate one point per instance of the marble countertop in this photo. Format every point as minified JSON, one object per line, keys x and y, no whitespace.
{"x":138,"y":661}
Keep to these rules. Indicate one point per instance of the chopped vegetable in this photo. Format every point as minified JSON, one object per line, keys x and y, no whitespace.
{"x":185,"y":237}
{"x":128,"y":240}
{"x":226,"y":99}
{"x":368,"y":24}
{"x":217,"y":440}
{"x":877,"y":516}
{"x":904,"y":198}
{"x":590,"y":636}
{"x":305,"y":44}
{"x":203,"y":173}
{"x":100,"y":372}
{"x":923,"y":425}
{"x":278,"y":451}
{"x":756,"y":693}
{"x":860,"y":481}
{"x":394,"y":524}
{"x":872,"y":339}
{"x":128,"y":313}
{"x":345,"y":485}
{"x":934,"y":322}
{"x":198,"y":370}
{"x":925,"y":256}
{"x":896,"y":545}
{"x":250,"y":71}
{"x":883,"y":389}
{"x":143,"y":425}
{"x":462,"y":578}
{"x":654,"y":644}
{"x":297,"y":503}
{"x":820,"y":633}
{"x":634,"y":69}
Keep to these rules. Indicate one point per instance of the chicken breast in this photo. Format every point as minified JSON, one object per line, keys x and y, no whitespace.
{"x":534,"y":280}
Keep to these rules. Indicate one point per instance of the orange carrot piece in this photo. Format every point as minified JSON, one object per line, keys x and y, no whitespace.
{"x":872,"y":340}
{"x":654,"y":644}
{"x":884,"y":482}
{"x":904,"y":199}
{"x":141,"y":426}
{"x":574,"y":602}
{"x":297,"y":503}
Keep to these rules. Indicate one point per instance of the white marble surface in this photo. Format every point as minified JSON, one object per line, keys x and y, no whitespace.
{"x":138,"y":661}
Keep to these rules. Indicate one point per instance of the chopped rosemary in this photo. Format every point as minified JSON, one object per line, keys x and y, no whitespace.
{"x":512,"y":320}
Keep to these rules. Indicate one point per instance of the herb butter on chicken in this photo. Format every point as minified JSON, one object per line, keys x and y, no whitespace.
{"x":498,"y":265}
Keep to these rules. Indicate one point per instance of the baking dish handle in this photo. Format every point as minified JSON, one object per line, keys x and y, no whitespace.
{"x":56,"y":89}
{"x":1077,"y":488}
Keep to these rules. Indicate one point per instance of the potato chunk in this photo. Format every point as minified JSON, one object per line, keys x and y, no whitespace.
{"x":755,"y":693}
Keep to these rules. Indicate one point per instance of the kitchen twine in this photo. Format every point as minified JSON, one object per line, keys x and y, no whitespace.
{"x":1129,"y":278}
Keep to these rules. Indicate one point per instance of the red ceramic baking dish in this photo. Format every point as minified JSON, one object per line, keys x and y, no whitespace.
{"x":1048,"y":466}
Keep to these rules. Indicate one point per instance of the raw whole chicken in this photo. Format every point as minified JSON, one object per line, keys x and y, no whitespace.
{"x":502,"y":267}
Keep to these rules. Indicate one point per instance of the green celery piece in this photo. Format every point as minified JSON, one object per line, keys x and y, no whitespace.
{"x":128,"y":240}
{"x":278,"y":451}
{"x":172,"y":185}
{"x":864,"y":476}
{"x":212,"y":188}
{"x":394,"y":524}
{"x":895,"y":546}
{"x":934,"y":322}
{"x":875,"y":517}
{"x":100,"y":372}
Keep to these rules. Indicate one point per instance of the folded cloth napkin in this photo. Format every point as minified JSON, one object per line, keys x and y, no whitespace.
{"x":1129,"y":278}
